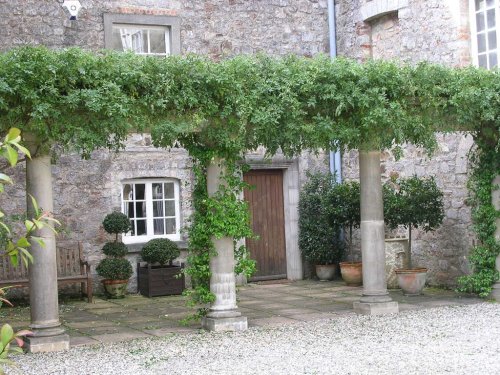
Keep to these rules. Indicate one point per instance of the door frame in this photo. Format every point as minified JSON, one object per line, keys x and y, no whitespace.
{"x":291,"y":187}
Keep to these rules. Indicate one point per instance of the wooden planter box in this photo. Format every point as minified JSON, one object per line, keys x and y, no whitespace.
{"x":153,"y":281}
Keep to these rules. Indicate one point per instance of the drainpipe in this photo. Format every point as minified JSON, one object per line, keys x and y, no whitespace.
{"x":335,"y":158}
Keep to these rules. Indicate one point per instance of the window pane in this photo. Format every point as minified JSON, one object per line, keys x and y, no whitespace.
{"x":157,"y":40}
{"x":116,"y":43}
{"x":158,"y":209}
{"x":480,"y":21}
{"x":482,"y":61}
{"x":140,"y":209}
{"x":157,"y":191}
{"x":490,"y":15}
{"x":139,"y":191}
{"x":130,"y":210}
{"x":490,"y":3}
{"x":128,"y":193}
{"x":169,"y":190}
{"x":169,"y":208}
{"x":493,"y":60}
{"x":159,"y":227}
{"x":492,"y":40}
{"x":141,"y":227}
{"x":481,"y":43}
{"x":480,"y":4}
{"x":170,"y":226}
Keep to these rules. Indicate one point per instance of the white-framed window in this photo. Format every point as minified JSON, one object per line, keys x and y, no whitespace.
{"x":142,"y":34}
{"x":485,"y":33}
{"x":141,"y":39}
{"x":153,"y":207}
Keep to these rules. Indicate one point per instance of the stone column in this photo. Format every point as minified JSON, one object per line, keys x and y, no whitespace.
{"x":223,"y":314}
{"x":495,"y":293}
{"x":48,"y":334}
{"x":375,"y":299}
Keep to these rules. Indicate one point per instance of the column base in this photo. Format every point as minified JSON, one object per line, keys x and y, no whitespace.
{"x":41,"y":344}
{"x":237,"y":323}
{"x":495,"y":292}
{"x":376,"y":308}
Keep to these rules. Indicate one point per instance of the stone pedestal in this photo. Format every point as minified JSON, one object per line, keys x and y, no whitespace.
{"x":223,"y":314}
{"x":375,"y":299}
{"x":48,"y":335}
{"x":495,"y":293}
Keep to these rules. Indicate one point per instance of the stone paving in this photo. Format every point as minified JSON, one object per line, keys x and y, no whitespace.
{"x":107,"y":321}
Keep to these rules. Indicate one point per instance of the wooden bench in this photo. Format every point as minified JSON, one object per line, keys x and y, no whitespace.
{"x":71,"y":268}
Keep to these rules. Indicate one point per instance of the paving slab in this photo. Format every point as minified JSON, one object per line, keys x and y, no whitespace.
{"x":82,"y":341}
{"x":271,"y":322}
{"x":120,"y":336}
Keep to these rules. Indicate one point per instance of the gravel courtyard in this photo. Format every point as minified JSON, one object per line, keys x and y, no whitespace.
{"x":442,"y":340}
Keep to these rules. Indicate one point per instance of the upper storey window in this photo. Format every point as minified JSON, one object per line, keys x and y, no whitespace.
{"x":142,"y":40}
{"x":142,"y":34}
{"x":485,"y":38}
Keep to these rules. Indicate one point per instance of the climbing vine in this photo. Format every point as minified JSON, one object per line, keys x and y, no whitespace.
{"x":74,"y":99}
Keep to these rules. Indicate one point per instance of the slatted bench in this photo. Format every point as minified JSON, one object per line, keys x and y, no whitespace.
{"x":71,"y":268}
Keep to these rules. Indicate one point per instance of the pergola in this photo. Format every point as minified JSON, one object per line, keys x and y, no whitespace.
{"x":217,"y":111}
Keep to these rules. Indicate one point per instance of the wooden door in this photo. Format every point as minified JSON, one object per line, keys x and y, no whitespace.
{"x":268,"y":222}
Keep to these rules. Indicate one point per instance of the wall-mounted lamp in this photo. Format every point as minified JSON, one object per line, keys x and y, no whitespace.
{"x":73,"y":7}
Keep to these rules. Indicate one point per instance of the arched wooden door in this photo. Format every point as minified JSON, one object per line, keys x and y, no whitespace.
{"x":268,"y":222}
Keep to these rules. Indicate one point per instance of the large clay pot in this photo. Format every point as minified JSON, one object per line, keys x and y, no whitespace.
{"x":352,"y":273}
{"x":411,"y":281}
{"x":325,"y":272}
{"x":115,"y":288}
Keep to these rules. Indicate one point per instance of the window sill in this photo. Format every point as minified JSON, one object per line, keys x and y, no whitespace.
{"x":137,"y":247}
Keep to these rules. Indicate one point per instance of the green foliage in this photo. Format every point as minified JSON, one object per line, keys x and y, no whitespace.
{"x":115,"y":249}
{"x":114,"y":269}
{"x":344,"y":207}
{"x":160,"y":250}
{"x":85,"y":101}
{"x":486,"y":166}
{"x":7,"y":336}
{"x":116,"y":222}
{"x":222,"y":215}
{"x":319,"y":235}
{"x":414,"y":203}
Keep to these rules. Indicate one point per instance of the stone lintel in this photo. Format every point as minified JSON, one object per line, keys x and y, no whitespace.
{"x":378,"y":308}
{"x":42,"y":344}
{"x":238,"y":323}
{"x":378,"y":8}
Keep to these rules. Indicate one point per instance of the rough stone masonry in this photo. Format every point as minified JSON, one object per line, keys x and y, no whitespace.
{"x":85,"y":191}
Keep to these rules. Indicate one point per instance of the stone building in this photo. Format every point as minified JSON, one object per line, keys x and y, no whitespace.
{"x":86,"y":190}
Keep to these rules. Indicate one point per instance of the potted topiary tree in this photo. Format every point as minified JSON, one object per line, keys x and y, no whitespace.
{"x":416,"y":203}
{"x":159,"y":277}
{"x":115,"y":269}
{"x":344,"y":212}
{"x":319,"y":238}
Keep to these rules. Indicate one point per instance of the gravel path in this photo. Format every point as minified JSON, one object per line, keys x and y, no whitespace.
{"x":445,"y":340}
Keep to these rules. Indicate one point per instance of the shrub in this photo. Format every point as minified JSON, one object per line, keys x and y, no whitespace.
{"x":116,"y":222}
{"x":319,"y":237}
{"x":160,"y":250}
{"x":115,"y":249}
{"x":114,"y":269}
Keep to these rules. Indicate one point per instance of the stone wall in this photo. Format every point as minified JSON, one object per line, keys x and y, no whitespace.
{"x":421,"y":30}
{"x":86,"y":190}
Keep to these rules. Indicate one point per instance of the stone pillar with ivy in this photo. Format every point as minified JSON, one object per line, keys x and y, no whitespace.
{"x":495,"y":293}
{"x":223,"y":314}
{"x":48,"y":334}
{"x":375,"y":299}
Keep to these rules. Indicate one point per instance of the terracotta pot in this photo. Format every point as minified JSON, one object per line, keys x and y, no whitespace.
{"x":411,"y":281}
{"x":352,"y":273}
{"x":115,"y":288}
{"x":325,"y":272}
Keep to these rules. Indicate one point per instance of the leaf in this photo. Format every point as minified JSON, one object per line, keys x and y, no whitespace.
{"x":22,"y":149}
{"x":35,"y":205}
{"x":5,"y":178}
{"x":13,"y":134}
{"x":39,"y":241}
{"x":10,"y":154}
{"x":6,"y":334}
{"x":23,"y":242}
